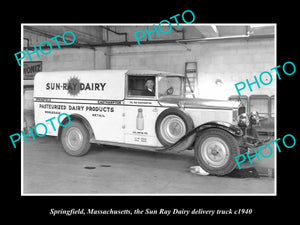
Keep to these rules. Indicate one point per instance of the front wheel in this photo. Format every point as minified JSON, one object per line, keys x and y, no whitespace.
{"x":75,"y":139}
{"x":215,"y":150}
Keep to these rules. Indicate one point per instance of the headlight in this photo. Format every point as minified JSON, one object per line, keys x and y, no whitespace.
{"x":243,"y":120}
{"x":254,"y":118}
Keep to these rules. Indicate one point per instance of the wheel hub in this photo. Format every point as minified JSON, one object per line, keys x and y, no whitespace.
{"x":215,"y":152}
{"x":74,"y":138}
{"x":172,"y":128}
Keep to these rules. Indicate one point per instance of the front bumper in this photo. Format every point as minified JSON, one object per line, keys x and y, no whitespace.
{"x":248,"y":144}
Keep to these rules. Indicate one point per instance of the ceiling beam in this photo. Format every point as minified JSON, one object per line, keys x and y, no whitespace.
{"x":208,"y":30}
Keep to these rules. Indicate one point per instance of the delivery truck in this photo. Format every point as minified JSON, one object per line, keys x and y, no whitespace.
{"x":140,"y":109}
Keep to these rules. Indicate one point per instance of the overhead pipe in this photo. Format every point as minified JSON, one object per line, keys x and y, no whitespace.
{"x":128,"y":43}
{"x":45,"y":34}
{"x":244,"y":36}
{"x":186,"y":40}
{"x":167,"y":41}
{"x":115,"y":32}
{"x":179,"y":31}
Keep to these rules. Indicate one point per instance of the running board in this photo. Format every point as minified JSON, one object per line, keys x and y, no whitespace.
{"x":140,"y":147}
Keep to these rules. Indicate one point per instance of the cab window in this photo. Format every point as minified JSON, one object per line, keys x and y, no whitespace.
{"x":141,"y":86}
{"x":169,"y":86}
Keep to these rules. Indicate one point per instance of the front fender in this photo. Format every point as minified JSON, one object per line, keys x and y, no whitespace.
{"x":234,"y":130}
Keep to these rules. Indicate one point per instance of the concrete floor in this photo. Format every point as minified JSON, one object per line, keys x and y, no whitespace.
{"x":113,"y":170}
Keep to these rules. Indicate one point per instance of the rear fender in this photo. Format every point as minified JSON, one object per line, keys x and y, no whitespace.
{"x":80,"y":118}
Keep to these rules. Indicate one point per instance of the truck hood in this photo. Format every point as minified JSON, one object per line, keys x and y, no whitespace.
{"x":198,"y":103}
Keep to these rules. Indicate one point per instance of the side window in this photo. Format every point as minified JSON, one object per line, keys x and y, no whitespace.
{"x":141,"y":86}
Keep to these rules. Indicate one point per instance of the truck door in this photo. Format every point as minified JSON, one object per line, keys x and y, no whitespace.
{"x":140,"y":112}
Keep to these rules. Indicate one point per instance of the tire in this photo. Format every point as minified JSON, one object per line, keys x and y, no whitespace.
{"x":171,"y":125}
{"x":75,"y":139}
{"x":215,"y":150}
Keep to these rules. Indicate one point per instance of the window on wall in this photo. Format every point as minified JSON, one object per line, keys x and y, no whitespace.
{"x":260,"y":103}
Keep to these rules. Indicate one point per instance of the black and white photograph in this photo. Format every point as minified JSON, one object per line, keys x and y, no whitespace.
{"x":149,"y":109}
{"x":175,"y":112}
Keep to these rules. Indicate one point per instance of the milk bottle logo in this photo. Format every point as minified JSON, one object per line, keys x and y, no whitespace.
{"x":140,"y":120}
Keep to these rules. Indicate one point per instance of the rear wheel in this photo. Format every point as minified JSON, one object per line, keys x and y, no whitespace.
{"x":172,"y":128}
{"x":171,"y":125}
{"x":215,"y":150}
{"x":75,"y":139}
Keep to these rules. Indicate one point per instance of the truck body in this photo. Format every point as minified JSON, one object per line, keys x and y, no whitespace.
{"x":111,"y":107}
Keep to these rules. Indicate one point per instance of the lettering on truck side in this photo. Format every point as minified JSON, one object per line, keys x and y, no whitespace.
{"x":73,"y":86}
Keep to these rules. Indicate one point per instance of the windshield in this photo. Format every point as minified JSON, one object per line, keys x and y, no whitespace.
{"x":169,"y":86}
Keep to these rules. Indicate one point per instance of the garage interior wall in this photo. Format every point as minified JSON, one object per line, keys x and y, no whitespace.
{"x":228,"y":61}
{"x":220,"y":63}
